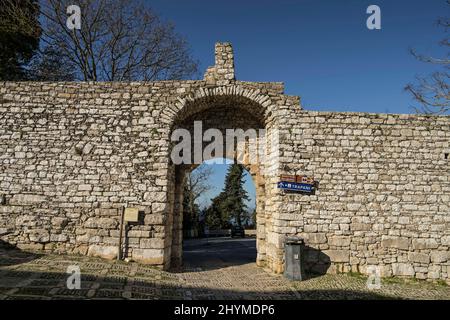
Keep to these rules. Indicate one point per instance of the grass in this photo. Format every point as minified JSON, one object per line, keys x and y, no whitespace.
{"x":442,"y":283}
{"x":356,"y":275}
{"x":397,"y":280}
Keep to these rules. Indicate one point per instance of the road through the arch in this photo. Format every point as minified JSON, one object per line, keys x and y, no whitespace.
{"x":213,"y":253}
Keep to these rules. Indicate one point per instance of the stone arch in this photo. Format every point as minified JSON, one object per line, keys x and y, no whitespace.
{"x":192,"y":102}
{"x":206,"y":104}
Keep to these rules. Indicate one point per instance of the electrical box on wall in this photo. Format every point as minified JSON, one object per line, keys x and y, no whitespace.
{"x":131,"y":215}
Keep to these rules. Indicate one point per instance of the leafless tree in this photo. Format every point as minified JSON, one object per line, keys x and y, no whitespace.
{"x":119,"y":40}
{"x":197,"y":182}
{"x":432,"y":92}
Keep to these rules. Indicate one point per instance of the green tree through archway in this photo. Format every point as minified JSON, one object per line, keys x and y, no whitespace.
{"x":234,"y":195}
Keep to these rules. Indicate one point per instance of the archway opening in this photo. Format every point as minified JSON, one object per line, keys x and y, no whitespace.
{"x":219,"y":215}
{"x":204,"y":123}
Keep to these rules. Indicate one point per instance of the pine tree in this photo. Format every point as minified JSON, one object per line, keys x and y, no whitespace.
{"x":229,"y":205}
{"x":49,"y":64}
{"x":234,"y":194}
{"x":214,"y":217}
{"x":19,"y":37}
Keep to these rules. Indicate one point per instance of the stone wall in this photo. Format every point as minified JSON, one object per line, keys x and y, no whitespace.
{"x":384,"y":191}
{"x":73,"y":155}
{"x":222,"y":72}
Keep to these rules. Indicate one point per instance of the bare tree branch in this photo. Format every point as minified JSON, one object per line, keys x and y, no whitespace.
{"x":119,"y":40}
{"x":197,"y":181}
{"x":432,"y":92}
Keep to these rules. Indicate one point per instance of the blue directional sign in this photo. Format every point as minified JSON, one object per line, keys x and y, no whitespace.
{"x":293,"y":186}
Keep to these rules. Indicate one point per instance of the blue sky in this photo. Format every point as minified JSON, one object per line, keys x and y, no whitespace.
{"x":219,"y":171}
{"x":320,"y":49}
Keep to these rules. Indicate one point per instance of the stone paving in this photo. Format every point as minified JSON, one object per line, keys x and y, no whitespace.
{"x":26,"y":275}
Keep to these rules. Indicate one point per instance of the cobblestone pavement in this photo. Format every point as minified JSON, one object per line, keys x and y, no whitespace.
{"x":36,"y":276}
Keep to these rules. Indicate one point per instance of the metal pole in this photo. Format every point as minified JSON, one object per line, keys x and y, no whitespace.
{"x":119,"y":253}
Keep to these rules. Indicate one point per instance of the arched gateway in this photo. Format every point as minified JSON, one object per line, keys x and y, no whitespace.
{"x":73,"y":155}
{"x":224,"y":104}
{"x":222,"y":108}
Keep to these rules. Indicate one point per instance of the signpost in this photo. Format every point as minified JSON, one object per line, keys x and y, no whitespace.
{"x":128,"y":215}
{"x":131,"y":215}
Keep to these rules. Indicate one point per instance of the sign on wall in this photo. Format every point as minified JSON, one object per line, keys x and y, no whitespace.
{"x":296,"y":183}
{"x":131,"y":215}
{"x":288,"y":178}
{"x":304,"y":179}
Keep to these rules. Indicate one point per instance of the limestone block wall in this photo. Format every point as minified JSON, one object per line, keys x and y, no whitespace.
{"x":73,"y":155}
{"x":222,"y":72}
{"x":383,"y":195}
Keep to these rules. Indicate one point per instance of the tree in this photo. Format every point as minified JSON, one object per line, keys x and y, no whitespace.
{"x":253,"y":218}
{"x":119,"y":40}
{"x":432,"y":92}
{"x":229,"y":206}
{"x":191,"y":211}
{"x":50,"y":65}
{"x":234,"y":194}
{"x":19,"y":37}
{"x":196,"y":184}
{"x":215,"y":218}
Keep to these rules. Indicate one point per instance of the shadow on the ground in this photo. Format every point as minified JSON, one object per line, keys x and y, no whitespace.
{"x":11,"y":255}
{"x":52,"y":285}
{"x":315,"y":262}
{"x":217,"y":253}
